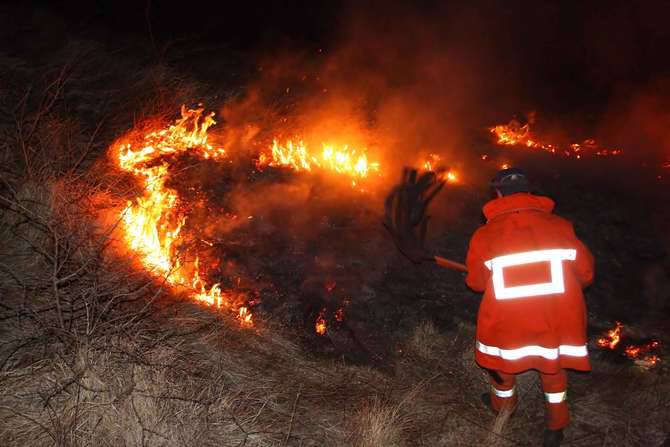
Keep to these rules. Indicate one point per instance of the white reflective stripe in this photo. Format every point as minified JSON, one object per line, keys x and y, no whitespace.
{"x":529,"y":257}
{"x":533,"y":350}
{"x":554,"y":256}
{"x":556,"y":398}
{"x":573,"y":351}
{"x":503,"y":393}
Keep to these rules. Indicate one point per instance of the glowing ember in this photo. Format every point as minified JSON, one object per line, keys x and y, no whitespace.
{"x":342,"y":160}
{"x":645,"y":355}
{"x":516,"y":134}
{"x":320,"y":323}
{"x":612,"y":338}
{"x":153,"y":222}
{"x":339,"y":315}
{"x":432,"y":164}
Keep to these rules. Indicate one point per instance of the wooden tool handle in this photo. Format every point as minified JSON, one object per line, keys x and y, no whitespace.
{"x":449,"y":264}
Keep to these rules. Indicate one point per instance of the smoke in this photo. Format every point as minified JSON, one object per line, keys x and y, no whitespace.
{"x":404,"y":81}
{"x":639,"y":121}
{"x":399,"y":81}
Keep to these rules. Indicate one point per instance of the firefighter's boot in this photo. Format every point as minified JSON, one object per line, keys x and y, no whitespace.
{"x":553,"y":438}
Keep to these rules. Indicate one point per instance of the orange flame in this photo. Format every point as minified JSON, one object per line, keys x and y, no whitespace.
{"x":152,"y":223}
{"x":342,"y":160}
{"x":612,"y":338}
{"x":320,"y":323}
{"x":643,"y":354}
{"x":432,"y":164}
{"x":516,"y":134}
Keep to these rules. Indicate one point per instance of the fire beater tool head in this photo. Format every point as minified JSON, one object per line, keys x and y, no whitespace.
{"x":406,"y":216}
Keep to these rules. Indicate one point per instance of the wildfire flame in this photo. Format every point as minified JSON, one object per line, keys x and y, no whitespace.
{"x":516,"y":134}
{"x":320,"y":323}
{"x":152,"y":222}
{"x":612,"y":338}
{"x":643,"y":354}
{"x":432,"y":164}
{"x":342,"y":160}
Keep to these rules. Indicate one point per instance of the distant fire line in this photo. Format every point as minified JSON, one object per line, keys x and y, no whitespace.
{"x":516,"y":134}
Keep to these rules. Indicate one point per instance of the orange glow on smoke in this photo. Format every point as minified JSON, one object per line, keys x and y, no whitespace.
{"x":516,"y":134}
{"x":153,"y":221}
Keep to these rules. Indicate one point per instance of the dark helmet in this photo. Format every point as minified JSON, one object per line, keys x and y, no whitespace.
{"x":510,"y":181}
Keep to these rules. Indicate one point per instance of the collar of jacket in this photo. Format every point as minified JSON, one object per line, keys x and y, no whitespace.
{"x":517,"y":202}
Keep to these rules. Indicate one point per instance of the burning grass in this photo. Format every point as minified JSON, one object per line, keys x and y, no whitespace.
{"x":342,"y":160}
{"x":153,"y":222}
{"x":646,"y":355}
{"x":516,"y":134}
{"x":96,"y":349}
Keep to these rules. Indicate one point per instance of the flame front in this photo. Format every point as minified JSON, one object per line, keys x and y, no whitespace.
{"x":342,"y":160}
{"x":152,"y":223}
{"x":516,"y":134}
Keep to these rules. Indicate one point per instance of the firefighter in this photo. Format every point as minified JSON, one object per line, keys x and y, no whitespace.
{"x":531,"y":267}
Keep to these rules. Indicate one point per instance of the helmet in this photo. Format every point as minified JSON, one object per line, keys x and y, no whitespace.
{"x":510,"y":181}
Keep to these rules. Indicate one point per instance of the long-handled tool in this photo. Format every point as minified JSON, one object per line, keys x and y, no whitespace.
{"x":449,"y":264}
{"x":406,"y":216}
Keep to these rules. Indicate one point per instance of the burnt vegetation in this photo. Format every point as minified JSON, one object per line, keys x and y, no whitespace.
{"x":95,"y":350}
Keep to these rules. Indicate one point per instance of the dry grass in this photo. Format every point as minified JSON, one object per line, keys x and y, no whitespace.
{"x":380,"y":424}
{"x":93,"y":352}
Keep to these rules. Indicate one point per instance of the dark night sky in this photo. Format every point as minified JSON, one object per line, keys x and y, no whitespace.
{"x":568,"y":54}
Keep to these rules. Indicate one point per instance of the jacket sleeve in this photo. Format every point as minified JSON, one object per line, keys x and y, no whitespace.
{"x":584,"y":263}
{"x":478,"y":274}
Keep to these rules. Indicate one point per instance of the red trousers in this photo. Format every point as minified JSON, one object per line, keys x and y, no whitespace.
{"x":555,"y":396}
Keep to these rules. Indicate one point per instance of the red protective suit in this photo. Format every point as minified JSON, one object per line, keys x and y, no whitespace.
{"x":532,"y":268}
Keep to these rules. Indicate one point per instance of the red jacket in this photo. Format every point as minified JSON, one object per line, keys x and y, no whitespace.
{"x":532,"y":268}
